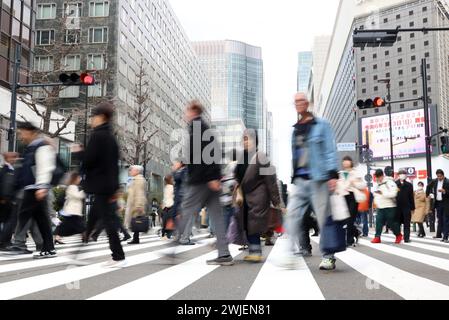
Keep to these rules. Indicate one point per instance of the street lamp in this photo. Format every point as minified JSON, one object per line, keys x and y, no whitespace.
{"x":388,"y":83}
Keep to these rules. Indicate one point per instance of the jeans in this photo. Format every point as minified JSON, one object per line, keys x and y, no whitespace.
{"x":195,"y":198}
{"x":104,"y":210}
{"x":228,"y":213}
{"x":307,"y":194}
{"x":443,"y":226}
{"x":254,"y":244}
{"x":362,"y":218}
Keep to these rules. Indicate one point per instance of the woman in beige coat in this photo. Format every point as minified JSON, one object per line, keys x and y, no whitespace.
{"x":136,"y":200}
{"x":421,"y":210}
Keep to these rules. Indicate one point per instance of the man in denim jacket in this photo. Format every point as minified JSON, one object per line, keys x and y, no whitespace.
{"x":315,"y":174}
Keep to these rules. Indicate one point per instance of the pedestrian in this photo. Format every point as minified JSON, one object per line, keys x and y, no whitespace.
{"x":315,"y":176}
{"x":179,"y":177}
{"x":276,"y":218}
{"x":430,"y":219}
{"x":229,"y":183}
{"x":73,"y":222}
{"x":385,"y":200}
{"x":405,"y":203}
{"x":154,"y":212}
{"x":8,"y":204}
{"x":257,"y":181}
{"x":351,"y":186}
{"x":364,"y":208}
{"x":136,"y":199}
{"x":421,"y":209}
{"x":100,"y":164}
{"x":440,"y":193}
{"x":167,"y":206}
{"x":35,"y":178}
{"x":203,"y":187}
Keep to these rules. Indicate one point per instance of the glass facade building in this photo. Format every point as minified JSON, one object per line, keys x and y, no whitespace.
{"x":305,"y":63}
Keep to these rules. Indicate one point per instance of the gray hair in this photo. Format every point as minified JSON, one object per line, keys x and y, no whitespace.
{"x":138,"y":168}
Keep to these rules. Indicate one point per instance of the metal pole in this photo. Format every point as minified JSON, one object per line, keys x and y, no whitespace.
{"x":13,"y":113}
{"x":427,"y":120}
{"x":86,"y":116}
{"x":391,"y":126}
{"x":368,"y":169}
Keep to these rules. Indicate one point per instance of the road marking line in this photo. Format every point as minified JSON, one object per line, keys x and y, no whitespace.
{"x":168,"y":282}
{"x":275,"y":283}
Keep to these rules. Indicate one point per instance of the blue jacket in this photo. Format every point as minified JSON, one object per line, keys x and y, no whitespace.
{"x":323,"y":162}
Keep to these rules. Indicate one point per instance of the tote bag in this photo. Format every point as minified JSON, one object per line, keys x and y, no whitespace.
{"x":333,"y":237}
{"x":339,"y":208}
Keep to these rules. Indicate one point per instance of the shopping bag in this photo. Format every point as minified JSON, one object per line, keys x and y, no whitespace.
{"x":140,"y":224}
{"x":333,"y":237}
{"x":236,"y":235}
{"x":339,"y":208}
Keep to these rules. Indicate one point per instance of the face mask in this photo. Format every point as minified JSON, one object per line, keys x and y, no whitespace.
{"x":420,"y":188}
{"x":403,"y":177}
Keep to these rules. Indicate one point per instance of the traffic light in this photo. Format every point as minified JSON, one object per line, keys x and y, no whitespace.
{"x":374,"y":39}
{"x":377,"y":102}
{"x":74,"y":79}
{"x":445,"y":144}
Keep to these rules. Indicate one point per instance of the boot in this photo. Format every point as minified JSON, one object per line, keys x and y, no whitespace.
{"x":399,"y":238}
{"x":376,"y":240}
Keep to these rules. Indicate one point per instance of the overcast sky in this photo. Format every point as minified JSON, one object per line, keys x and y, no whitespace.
{"x":282,"y":28}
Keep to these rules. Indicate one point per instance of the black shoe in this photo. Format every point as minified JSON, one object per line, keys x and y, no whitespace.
{"x":190,"y":243}
{"x":134,"y":242}
{"x":59,"y":242}
{"x":46,"y":255}
{"x":269,"y":243}
{"x":438,"y":237}
{"x":126,"y":238}
{"x":221,"y":261}
{"x":407,"y":241}
{"x":15,"y":251}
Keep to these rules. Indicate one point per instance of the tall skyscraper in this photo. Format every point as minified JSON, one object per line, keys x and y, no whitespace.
{"x":118,"y":37}
{"x":235,"y":70}
{"x":305,"y":62}
{"x":319,"y":52}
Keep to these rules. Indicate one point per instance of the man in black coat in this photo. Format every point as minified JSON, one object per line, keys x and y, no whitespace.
{"x":100,"y":167}
{"x":405,"y":203}
{"x":440,"y":194}
{"x":8,"y":208}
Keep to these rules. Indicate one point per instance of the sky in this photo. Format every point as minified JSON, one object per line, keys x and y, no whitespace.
{"x":282,"y":28}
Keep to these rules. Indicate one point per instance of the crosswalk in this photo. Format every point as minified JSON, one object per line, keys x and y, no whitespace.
{"x":159,"y":270}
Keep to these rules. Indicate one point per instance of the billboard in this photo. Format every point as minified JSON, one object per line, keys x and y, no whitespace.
{"x":408,"y":135}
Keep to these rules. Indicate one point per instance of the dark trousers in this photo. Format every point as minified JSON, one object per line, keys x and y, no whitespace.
{"x":351,"y":232}
{"x":405,"y":216}
{"x":440,"y":216}
{"x":104,"y":210}
{"x":136,"y":238}
{"x":254,"y":244}
{"x":443,"y":226}
{"x":8,"y":226}
{"x":308,"y":223}
{"x":431,"y":220}
{"x":37,"y":210}
{"x":422,"y":232}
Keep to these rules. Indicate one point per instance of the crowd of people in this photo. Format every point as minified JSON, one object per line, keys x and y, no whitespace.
{"x":243,"y":198}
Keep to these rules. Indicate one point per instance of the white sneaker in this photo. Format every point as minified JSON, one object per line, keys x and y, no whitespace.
{"x":115,"y":264}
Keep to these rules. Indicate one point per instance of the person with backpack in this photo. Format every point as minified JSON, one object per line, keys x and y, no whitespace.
{"x":35,"y":178}
{"x":72,"y":212}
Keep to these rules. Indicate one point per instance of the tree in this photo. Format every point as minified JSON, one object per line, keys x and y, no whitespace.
{"x":135,"y":148}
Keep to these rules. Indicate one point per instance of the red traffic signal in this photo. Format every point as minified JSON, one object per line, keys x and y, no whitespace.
{"x":370,"y":103}
{"x":74,"y":79}
{"x":87,"y":79}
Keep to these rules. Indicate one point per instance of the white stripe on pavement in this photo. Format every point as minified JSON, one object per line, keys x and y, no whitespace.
{"x":22,"y":287}
{"x":168,"y":282}
{"x":274,"y":283}
{"x":61,"y":260}
{"x":415,"y":238}
{"x":432,"y":261}
{"x":404,"y":284}
{"x":76,"y":249}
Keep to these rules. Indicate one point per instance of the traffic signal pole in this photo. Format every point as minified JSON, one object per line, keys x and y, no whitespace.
{"x":426,"y":120}
{"x":391,"y":124}
{"x":13,"y":113}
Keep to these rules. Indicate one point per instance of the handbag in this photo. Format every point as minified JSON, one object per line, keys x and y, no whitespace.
{"x":235,"y":234}
{"x":333,"y":237}
{"x":170,"y":225}
{"x":237,"y":197}
{"x":140,"y":224}
{"x":339,"y":208}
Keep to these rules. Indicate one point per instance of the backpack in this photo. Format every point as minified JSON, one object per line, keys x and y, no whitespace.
{"x":59,"y":172}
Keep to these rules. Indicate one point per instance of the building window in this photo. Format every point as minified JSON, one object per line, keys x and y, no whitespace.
{"x":412,"y":47}
{"x":98,"y":35}
{"x":415,"y":92}
{"x":45,"y":37}
{"x":363,"y":80}
{"x":387,"y":75}
{"x":424,"y":9}
{"x":401,"y":95}
{"x":362,"y":59}
{"x":375,"y":78}
{"x":376,"y":88}
{"x":363,"y":69}
{"x":96,"y":62}
{"x":427,"y":55}
{"x":412,"y":24}
{"x":399,"y":50}
{"x":429,"y":89}
{"x":413,"y":69}
{"x":123,"y":41}
{"x":413,"y":58}
{"x":70,"y":92}
{"x":398,"y":17}
{"x":412,"y":35}
{"x":401,"y":83}
{"x":73,"y":10}
{"x":400,"y":61}
{"x":410,"y":13}
{"x":363,"y":90}
{"x":97,"y":90}
{"x":399,"y":38}
{"x":401,"y":72}
{"x":375,"y":67}
{"x":46,"y":11}
{"x":415,"y":104}
{"x":387,"y":53}
{"x":387,"y":63}
{"x":99,"y":9}
{"x":123,"y":68}
{"x":72,"y":63}
{"x":414,"y":80}
{"x":425,"y":20}
{"x":375,"y":56}
{"x":385,"y":20}
{"x":426,"y":43}
{"x":43,"y":64}
{"x":72,"y":36}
